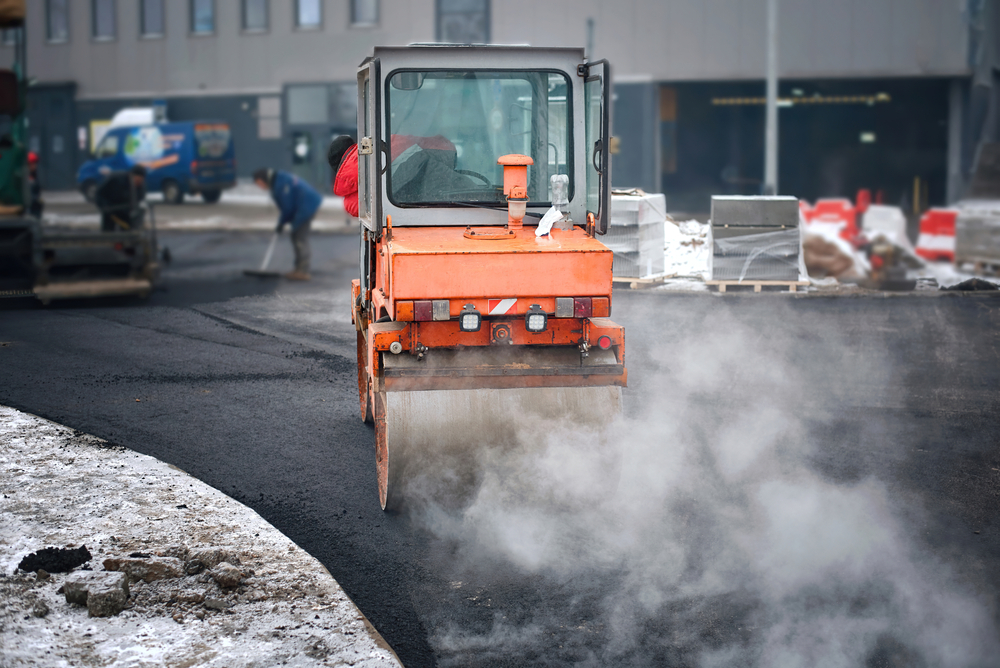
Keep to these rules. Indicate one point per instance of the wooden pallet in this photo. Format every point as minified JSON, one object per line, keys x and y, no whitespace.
{"x":757,"y":285}
{"x":638,"y":283}
{"x":16,"y":293}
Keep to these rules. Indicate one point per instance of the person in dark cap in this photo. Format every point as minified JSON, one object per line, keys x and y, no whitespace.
{"x":342,"y":157}
{"x":297,"y":204}
{"x":119,"y":198}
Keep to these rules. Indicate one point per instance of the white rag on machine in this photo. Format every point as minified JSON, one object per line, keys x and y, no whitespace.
{"x":547,"y":221}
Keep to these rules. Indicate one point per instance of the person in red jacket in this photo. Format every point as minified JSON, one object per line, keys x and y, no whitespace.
{"x":343,"y":159}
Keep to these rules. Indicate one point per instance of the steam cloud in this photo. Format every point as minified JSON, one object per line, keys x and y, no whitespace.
{"x":724,"y":543}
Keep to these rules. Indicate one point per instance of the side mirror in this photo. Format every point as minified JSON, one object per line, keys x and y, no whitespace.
{"x":407,"y":81}
{"x":10,"y":94}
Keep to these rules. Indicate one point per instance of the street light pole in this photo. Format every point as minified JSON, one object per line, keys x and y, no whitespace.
{"x":771,"y":123}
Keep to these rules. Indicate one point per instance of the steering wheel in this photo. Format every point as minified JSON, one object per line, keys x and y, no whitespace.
{"x":475,"y":175}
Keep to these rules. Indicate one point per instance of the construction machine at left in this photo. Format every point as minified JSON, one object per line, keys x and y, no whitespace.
{"x":48,"y":263}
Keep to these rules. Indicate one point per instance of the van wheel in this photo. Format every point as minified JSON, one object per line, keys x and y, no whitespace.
{"x":172,"y":193}
{"x":211,"y":196}
{"x":89,"y":190}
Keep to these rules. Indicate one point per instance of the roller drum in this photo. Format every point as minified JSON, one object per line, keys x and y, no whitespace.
{"x":436,"y":443}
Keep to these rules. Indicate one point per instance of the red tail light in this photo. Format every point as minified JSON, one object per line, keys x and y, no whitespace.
{"x":423,"y":311}
{"x":194,"y":166}
{"x":583,"y":307}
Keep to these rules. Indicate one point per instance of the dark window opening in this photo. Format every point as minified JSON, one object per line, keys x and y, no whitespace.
{"x":103,"y":19}
{"x":463,"y":21}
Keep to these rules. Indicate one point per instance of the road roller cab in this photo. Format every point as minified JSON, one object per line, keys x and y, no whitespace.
{"x":468,"y":319}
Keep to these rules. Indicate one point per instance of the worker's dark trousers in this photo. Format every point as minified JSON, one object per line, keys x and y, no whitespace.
{"x":300,"y":242}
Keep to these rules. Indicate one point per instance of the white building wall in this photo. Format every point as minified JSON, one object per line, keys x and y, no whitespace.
{"x":657,"y":40}
{"x":678,"y":40}
{"x":227,"y":61}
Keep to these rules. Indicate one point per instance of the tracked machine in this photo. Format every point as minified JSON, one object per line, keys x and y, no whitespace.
{"x":476,"y":331}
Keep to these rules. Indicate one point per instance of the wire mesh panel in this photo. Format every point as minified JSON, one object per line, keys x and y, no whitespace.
{"x":977,"y":235}
{"x":769,"y":256}
{"x":756,"y":238}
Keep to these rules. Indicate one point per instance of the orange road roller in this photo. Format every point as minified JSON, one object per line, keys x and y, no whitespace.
{"x":484,"y":298}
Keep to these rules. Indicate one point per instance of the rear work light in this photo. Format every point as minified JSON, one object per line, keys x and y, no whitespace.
{"x":536,"y":320}
{"x":469,"y":320}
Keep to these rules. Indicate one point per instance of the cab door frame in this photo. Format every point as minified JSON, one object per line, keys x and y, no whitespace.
{"x":369,"y":171}
{"x":598,"y":156}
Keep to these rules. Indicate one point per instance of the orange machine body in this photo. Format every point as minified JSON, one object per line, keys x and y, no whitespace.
{"x":502,"y":279}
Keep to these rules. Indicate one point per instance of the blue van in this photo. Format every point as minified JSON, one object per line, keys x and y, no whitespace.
{"x":192,"y":157}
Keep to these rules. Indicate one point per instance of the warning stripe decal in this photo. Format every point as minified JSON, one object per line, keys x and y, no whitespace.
{"x":501,"y":306}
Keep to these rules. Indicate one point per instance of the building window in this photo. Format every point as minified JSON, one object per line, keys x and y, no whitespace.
{"x":102,"y":19}
{"x":463,"y":21}
{"x":57,"y":20}
{"x":202,"y":17}
{"x":255,"y":15}
{"x":151,"y":18}
{"x":364,"y":12}
{"x":308,"y":13}
{"x":9,"y":36}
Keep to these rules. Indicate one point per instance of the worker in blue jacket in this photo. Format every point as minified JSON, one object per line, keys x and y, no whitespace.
{"x":297,"y":203}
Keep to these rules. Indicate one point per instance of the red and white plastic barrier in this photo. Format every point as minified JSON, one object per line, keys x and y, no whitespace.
{"x":937,"y":235}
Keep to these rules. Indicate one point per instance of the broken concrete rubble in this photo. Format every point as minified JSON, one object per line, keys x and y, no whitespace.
{"x":212,"y":556}
{"x":147,"y":570}
{"x":226,"y":575}
{"x":105,"y":594}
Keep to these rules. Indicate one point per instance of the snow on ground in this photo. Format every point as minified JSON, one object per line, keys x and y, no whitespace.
{"x":63,"y":488}
{"x":168,"y":220}
{"x":243,"y":193}
{"x":945,"y":273}
{"x":248,"y":193}
{"x":688,"y":249}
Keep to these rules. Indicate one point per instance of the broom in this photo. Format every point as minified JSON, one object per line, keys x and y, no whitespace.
{"x":263,"y":272}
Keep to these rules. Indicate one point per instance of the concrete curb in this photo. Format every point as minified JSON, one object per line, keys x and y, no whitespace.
{"x":60,"y":487}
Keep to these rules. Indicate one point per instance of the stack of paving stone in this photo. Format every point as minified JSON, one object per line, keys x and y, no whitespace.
{"x":635,"y":233}
{"x":755,"y":238}
{"x":977,"y":233}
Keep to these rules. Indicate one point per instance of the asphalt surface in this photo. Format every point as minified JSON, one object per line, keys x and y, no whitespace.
{"x":806,"y":480}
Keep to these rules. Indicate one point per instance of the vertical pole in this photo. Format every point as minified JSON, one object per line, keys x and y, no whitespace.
{"x":771,"y":125}
{"x":956,"y":180}
{"x":590,"y":39}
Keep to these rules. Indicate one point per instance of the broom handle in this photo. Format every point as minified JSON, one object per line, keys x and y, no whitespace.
{"x":270,"y":252}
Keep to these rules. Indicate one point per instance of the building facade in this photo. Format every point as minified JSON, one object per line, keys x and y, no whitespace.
{"x":893,"y":95}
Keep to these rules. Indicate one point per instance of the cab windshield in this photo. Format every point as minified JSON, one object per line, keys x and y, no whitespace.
{"x":447,"y":129}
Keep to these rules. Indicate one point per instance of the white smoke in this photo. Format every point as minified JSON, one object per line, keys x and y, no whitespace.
{"x":720,"y":519}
